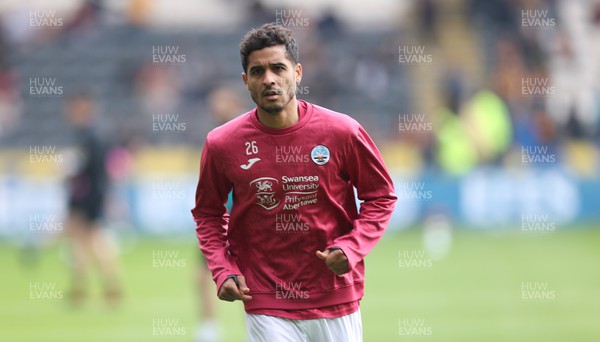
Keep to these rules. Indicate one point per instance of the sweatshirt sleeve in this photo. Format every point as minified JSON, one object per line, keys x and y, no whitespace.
{"x":211,"y":217}
{"x":375,"y":189}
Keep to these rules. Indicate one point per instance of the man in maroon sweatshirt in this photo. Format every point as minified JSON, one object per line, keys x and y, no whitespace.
{"x":293,"y":245}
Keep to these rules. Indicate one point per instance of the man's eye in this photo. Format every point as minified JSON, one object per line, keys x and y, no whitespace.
{"x":256,"y":72}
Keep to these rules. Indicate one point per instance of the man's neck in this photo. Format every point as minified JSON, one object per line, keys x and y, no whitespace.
{"x":287,"y":117}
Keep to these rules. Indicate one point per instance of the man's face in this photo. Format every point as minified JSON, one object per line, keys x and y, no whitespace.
{"x":271,"y":78}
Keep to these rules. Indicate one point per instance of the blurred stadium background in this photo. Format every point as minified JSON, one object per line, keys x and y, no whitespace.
{"x":487,"y":114}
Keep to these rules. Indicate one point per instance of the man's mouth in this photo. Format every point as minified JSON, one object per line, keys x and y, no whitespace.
{"x":271,"y":94}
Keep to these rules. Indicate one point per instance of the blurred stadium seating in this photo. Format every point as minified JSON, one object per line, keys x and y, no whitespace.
{"x":353,"y":68}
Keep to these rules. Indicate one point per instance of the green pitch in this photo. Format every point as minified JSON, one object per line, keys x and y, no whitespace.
{"x":501,"y":287}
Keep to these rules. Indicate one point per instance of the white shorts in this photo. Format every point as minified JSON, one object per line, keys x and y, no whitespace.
{"x":262,"y":328}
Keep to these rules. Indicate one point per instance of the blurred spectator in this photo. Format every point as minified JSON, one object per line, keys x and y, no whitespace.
{"x":455,"y":153}
{"x":427,"y":13}
{"x":224,"y":102}
{"x":86,"y":191}
{"x":574,"y":105}
{"x":157,"y":88}
{"x":329,"y":26}
{"x":488,"y":126}
{"x":258,"y":13}
{"x":10,"y":102}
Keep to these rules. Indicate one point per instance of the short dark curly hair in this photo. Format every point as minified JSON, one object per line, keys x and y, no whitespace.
{"x":265,"y":36}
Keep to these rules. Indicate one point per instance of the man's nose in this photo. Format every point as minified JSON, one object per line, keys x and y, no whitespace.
{"x":269,"y":78}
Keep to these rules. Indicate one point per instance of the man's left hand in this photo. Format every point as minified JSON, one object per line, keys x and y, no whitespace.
{"x":335,"y":259}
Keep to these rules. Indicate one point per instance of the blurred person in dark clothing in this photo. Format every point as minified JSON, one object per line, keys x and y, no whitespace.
{"x":86,"y":192}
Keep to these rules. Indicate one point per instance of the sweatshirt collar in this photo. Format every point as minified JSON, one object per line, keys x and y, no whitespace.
{"x":304,"y":112}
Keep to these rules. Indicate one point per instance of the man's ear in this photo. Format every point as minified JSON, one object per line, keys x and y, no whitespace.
{"x":245,"y":80}
{"x":298,"y":71}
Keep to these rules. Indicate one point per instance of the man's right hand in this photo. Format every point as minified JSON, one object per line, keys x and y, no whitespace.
{"x":230,"y":292}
